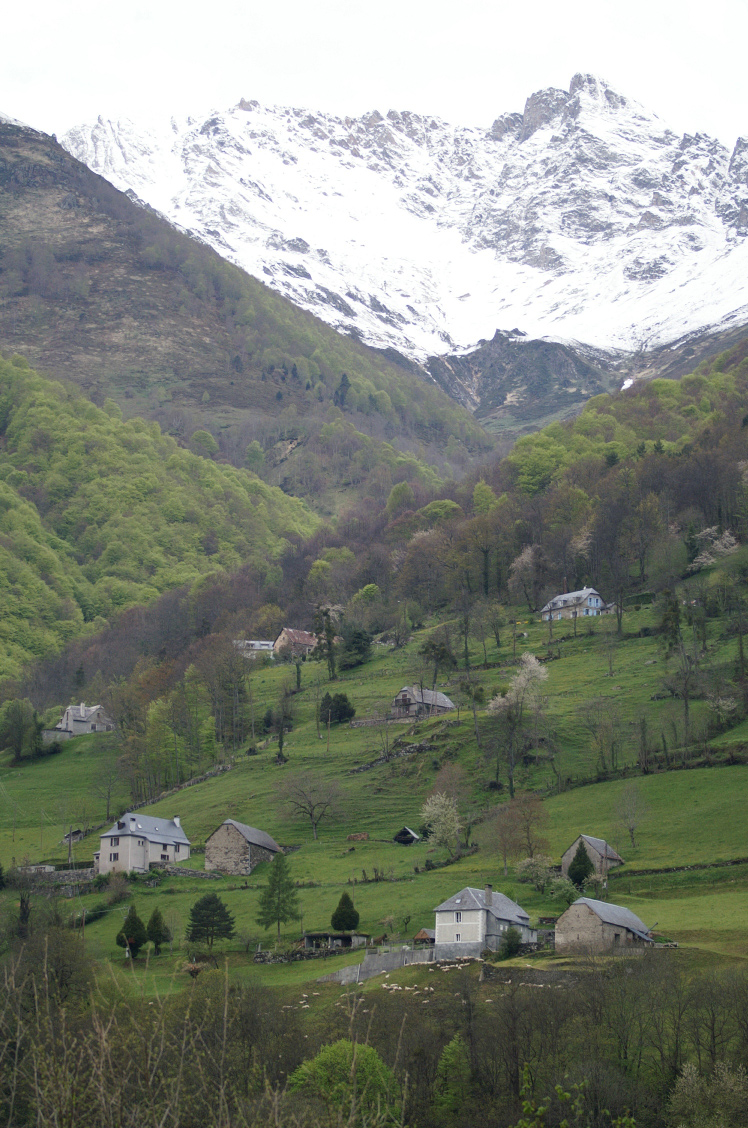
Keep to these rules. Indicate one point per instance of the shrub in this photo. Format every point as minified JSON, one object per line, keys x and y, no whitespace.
{"x":511,"y":942}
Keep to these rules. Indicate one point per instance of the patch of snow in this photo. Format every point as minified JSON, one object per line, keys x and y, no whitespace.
{"x":592,"y":221}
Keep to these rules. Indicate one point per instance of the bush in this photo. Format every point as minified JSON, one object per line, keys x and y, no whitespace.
{"x":337,"y":708}
{"x":535,"y":871}
{"x":511,"y":942}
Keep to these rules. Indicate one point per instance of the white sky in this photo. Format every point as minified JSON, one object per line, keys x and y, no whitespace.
{"x":66,"y":61}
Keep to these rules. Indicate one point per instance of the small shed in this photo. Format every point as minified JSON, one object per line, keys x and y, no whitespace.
{"x":323,"y":940}
{"x":425,"y":936}
{"x":413,"y":701}
{"x":406,"y":836}
{"x":237,"y":848}
{"x":602,"y":855}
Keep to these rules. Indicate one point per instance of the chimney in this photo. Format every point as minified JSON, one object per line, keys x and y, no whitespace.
{"x":176,"y":821}
{"x":489,"y":895}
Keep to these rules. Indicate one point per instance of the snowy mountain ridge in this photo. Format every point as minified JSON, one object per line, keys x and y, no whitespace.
{"x":583,"y":218}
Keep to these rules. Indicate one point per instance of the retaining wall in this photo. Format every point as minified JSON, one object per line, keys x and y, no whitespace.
{"x":375,"y":963}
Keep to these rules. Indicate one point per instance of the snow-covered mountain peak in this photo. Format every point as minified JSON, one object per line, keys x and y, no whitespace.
{"x":582,"y":217}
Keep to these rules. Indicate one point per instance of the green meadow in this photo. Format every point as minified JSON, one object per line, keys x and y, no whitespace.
{"x":689,"y":817}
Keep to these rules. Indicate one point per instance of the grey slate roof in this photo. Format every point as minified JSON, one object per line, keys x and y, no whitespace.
{"x":145,"y":826}
{"x":427,"y":696}
{"x":616,"y":915}
{"x":469,"y":899}
{"x":255,"y":837}
{"x":569,"y":598}
{"x":602,"y":847}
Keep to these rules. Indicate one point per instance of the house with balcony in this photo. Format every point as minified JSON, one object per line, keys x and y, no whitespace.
{"x":581,"y":604}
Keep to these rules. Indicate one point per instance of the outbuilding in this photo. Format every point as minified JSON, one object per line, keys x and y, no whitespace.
{"x":602,"y":855}
{"x":413,"y":701}
{"x":596,"y":926}
{"x":237,"y":848}
{"x":406,"y":836}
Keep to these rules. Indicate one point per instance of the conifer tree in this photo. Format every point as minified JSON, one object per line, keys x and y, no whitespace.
{"x":279,"y":901}
{"x":132,"y":935}
{"x":210,"y":920}
{"x":581,"y":866}
{"x":158,"y":931}
{"x":345,"y":918}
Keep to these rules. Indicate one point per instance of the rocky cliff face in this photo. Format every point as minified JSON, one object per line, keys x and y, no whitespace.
{"x":583,"y":217}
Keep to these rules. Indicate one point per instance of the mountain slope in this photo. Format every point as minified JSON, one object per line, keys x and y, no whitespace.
{"x":97,"y":290}
{"x":584,"y":217}
{"x":97,"y":514}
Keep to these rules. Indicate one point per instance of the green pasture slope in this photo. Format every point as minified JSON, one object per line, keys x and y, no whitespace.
{"x":692,"y":817}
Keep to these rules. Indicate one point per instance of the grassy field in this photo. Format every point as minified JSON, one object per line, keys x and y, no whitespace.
{"x":690,"y":817}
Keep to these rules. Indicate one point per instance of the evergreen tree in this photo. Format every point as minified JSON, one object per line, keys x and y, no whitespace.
{"x":345,"y":918}
{"x":279,"y":901}
{"x":452,"y":1081}
{"x":158,"y":931}
{"x":581,"y":866}
{"x":210,"y":920}
{"x":132,"y":935}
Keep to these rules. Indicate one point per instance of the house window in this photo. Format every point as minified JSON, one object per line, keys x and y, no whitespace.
{"x":616,"y":938}
{"x":140,"y":842}
{"x":458,"y":918}
{"x":176,"y":848}
{"x":114,"y":857}
{"x":115,"y":841}
{"x":457,"y":937}
{"x":164,"y":857}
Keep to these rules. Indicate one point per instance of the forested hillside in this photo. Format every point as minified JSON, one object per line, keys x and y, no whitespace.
{"x":100,"y":514}
{"x":105,"y":293}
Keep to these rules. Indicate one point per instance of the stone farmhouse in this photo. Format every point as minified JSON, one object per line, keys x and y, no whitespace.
{"x":574,"y":605}
{"x":298,"y":643}
{"x":478,"y":919}
{"x":601,"y":854}
{"x":136,"y":841}
{"x":236,"y":848}
{"x":596,"y":926}
{"x":413,"y":701}
{"x":79,"y":719}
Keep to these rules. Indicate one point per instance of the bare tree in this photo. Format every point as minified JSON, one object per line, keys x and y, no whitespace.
{"x":313,"y":797}
{"x":503,"y":834}
{"x":532,"y":818}
{"x":630,"y":810}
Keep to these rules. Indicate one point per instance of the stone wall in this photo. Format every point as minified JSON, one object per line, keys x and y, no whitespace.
{"x":379,"y":961}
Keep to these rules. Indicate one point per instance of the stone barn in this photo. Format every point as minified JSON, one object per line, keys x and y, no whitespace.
{"x":236,"y":848}
{"x":596,"y":926}
{"x":602,"y":855}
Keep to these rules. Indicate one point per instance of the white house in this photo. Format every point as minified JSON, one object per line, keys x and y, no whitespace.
{"x":252,"y":647}
{"x":136,"y":840}
{"x":574,"y":605}
{"x":83,"y":718}
{"x":480,"y":916}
